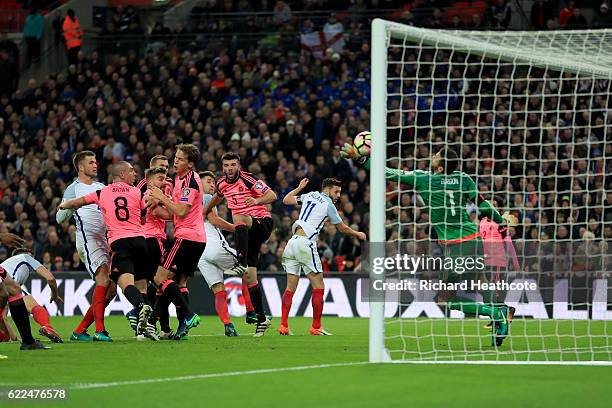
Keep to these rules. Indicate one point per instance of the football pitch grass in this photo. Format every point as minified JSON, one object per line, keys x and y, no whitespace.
{"x":210,"y":369}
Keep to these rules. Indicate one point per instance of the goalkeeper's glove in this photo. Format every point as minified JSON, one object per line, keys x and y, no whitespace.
{"x":350,"y":152}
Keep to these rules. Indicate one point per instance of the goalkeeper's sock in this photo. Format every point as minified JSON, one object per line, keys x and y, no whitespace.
{"x":241,"y":239}
{"x":473,"y":308}
{"x":287,"y":300}
{"x":317,"y":307}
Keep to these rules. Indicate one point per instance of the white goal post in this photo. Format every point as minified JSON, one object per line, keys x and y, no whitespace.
{"x":575,"y":329}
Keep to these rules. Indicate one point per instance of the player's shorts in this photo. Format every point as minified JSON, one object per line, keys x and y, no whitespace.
{"x":260,"y":231}
{"x":157,"y":250}
{"x":130,"y":255}
{"x":93,"y":251}
{"x":301,"y":255}
{"x":462,"y":269}
{"x":217,"y":257}
{"x":182,"y":256}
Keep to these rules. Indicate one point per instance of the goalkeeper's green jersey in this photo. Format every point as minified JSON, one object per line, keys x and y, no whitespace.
{"x":447,"y":196}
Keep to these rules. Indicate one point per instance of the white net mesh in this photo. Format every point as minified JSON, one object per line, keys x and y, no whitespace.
{"x":528,"y":114}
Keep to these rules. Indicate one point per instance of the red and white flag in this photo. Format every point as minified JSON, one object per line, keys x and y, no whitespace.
{"x":319,"y":41}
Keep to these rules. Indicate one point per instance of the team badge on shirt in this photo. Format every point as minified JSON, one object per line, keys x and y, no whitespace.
{"x":185,"y":192}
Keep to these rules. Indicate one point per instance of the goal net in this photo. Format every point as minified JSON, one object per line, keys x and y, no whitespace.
{"x":528,"y":114}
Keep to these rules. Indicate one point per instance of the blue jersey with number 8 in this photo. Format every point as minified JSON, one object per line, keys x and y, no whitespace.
{"x":316,"y":208}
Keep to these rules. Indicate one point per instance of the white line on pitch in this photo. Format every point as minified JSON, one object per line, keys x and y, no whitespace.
{"x":212,"y":375}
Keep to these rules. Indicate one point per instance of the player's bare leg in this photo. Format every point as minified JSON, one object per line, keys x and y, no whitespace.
{"x":218,"y":290}
{"x":318,"y":292}
{"x":292,"y":283}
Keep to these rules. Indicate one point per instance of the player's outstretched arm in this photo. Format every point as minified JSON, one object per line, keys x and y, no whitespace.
{"x":219,"y":222}
{"x":73,"y":204}
{"x":214,"y":201}
{"x":345,"y":229}
{"x":397,"y":175}
{"x":48,"y":276}
{"x":291,"y":197}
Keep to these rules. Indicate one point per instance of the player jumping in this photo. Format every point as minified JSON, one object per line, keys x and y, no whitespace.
{"x":121,"y":206}
{"x":91,"y":245}
{"x":247,"y":197}
{"x":446,"y":191}
{"x":218,"y":255}
{"x":19,"y":266}
{"x":185,"y":250}
{"x":301,"y":254}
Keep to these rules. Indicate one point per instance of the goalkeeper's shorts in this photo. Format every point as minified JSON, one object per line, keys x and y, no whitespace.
{"x":467,"y":261}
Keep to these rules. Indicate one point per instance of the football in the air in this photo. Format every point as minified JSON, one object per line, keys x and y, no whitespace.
{"x":363,"y":143}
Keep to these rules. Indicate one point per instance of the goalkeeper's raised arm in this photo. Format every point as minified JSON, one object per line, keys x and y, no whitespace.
{"x":456,"y":186}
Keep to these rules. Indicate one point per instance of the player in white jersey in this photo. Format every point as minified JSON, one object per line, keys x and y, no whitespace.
{"x":91,"y":244}
{"x":300,"y":254}
{"x":19,"y":266}
{"x":218,"y":255}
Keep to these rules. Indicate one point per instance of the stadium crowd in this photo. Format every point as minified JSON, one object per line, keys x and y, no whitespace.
{"x":287,"y":114}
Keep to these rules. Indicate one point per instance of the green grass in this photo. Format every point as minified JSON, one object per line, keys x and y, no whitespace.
{"x":366,"y":385}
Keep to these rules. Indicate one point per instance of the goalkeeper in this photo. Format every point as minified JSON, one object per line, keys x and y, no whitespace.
{"x":446,"y":191}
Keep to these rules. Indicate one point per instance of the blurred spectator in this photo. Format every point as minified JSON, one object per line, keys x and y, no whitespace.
{"x":541,"y":12}
{"x":566,"y":12}
{"x":603,"y":17}
{"x":56,"y":24}
{"x":33,"y":30}
{"x":476,"y":23}
{"x":282,"y":13}
{"x":10,"y":61}
{"x":577,"y":21}
{"x":73,"y":34}
{"x":501,"y":14}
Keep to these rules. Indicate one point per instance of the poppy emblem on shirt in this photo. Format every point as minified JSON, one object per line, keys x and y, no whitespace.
{"x":185,"y":192}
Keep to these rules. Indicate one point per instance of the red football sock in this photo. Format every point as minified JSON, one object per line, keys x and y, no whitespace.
{"x":246,"y":295}
{"x":287,"y":300}
{"x":40,"y":315}
{"x":88,"y":319}
{"x":221,"y":306}
{"x":317,"y":307}
{"x":99,"y":304}
{"x":86,"y":322}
